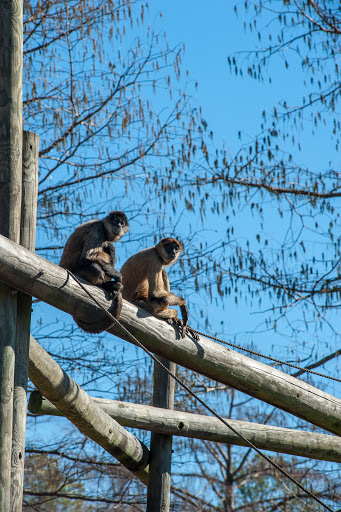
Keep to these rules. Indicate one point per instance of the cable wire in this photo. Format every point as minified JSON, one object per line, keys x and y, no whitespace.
{"x":184,"y":386}
{"x":302,"y":369}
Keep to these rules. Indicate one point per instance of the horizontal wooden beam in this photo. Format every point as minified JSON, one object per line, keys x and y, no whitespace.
{"x":76,"y":405}
{"x":178,"y":423}
{"x":34,"y":275}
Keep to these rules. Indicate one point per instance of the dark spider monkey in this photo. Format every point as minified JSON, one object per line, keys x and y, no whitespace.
{"x":90,"y":254}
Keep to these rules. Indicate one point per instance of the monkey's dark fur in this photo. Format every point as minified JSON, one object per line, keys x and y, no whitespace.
{"x":90,"y":254}
{"x":146,"y":284}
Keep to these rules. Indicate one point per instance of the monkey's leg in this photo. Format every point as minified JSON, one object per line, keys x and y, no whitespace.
{"x":90,"y":271}
{"x":150,"y":305}
{"x":171,"y":298}
{"x":158,"y":306}
{"x":158,"y":303}
{"x":169,"y":314}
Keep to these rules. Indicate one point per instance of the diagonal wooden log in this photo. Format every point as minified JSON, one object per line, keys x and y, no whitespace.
{"x":85,"y":414}
{"x":197,"y":426}
{"x":34,"y":275}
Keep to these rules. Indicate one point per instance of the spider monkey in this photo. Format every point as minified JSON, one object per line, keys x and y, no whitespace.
{"x":146,"y":284}
{"x":90,"y":254}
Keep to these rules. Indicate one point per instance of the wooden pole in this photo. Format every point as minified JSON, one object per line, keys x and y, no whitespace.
{"x":196,"y":426}
{"x":158,"y":494}
{"x":85,"y":414}
{"x":11,"y":63}
{"x":11,"y":41}
{"x":32,"y":274}
{"x":27,"y":239}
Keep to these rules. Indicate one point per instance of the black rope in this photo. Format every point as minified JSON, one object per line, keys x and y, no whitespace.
{"x":267,"y":357}
{"x":137,"y":342}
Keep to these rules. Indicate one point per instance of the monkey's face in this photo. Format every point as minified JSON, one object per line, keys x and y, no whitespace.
{"x":170,"y":250}
{"x":117,"y":225}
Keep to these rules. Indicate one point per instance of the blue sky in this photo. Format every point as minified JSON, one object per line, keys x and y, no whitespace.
{"x":211,"y":32}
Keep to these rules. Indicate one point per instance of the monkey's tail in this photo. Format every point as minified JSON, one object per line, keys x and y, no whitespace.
{"x":106,"y":323}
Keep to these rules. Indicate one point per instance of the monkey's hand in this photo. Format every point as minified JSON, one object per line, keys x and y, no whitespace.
{"x":112,"y":287}
{"x":179,"y":324}
{"x":183,"y":329}
{"x":110,"y":271}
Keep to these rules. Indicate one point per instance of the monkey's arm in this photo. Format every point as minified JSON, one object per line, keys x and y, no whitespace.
{"x":165,"y":280}
{"x":183,"y":305}
{"x":159,"y":291}
{"x":108,"y":248}
{"x":174,"y":300}
{"x":183,"y":326}
{"x":98,"y":256}
{"x":111,"y":271}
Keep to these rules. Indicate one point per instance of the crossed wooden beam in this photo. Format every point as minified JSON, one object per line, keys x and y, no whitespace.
{"x":31,"y":274}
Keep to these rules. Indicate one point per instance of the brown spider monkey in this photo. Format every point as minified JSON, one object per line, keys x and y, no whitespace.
{"x":90,"y":254}
{"x":146,"y":284}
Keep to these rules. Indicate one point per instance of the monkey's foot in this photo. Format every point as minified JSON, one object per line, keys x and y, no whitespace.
{"x":176,"y":322}
{"x":192,"y":332}
{"x":185,"y":329}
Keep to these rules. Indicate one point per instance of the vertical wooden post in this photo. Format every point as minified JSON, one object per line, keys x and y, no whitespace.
{"x":11,"y":42}
{"x":158,"y":495}
{"x":27,"y":239}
